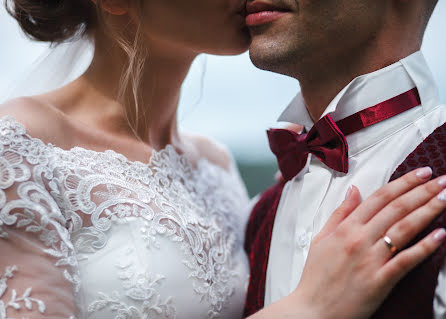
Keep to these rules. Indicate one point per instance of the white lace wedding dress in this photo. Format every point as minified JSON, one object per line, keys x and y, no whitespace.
{"x":88,"y":234}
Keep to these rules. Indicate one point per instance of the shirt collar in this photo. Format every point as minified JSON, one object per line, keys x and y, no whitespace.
{"x":370,"y":89}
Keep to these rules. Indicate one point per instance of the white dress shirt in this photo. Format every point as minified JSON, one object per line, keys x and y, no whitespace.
{"x":375,"y":152}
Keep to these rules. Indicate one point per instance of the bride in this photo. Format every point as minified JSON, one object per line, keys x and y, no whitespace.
{"x":108,"y":211}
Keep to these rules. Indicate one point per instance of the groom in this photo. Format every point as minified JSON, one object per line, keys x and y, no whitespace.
{"x":367,"y":87}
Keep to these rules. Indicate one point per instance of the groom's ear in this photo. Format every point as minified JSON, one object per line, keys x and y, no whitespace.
{"x":114,"y":7}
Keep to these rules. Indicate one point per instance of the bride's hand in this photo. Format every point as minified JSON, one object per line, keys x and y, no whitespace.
{"x":350,"y":269}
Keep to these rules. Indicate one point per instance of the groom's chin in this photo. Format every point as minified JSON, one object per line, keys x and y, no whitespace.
{"x":270,"y":56}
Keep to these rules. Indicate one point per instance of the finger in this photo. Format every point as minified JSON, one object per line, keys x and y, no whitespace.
{"x":397,"y":267}
{"x":352,"y":200}
{"x":406,"y":205}
{"x":295,"y":127}
{"x":390,"y":192}
{"x":403,"y":232}
{"x":278,"y":176}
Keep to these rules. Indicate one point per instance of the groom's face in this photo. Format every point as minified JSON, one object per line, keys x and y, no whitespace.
{"x":310,"y":31}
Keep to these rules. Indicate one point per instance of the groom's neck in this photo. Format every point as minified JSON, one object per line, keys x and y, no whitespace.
{"x":322,"y":79}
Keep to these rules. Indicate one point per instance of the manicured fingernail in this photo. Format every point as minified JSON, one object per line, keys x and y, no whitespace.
{"x":440,"y":235}
{"x":442,"y":196}
{"x":424,"y":173}
{"x":349,"y":192}
{"x":442,"y":181}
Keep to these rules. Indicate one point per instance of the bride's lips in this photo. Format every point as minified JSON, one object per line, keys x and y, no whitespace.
{"x":259,"y":13}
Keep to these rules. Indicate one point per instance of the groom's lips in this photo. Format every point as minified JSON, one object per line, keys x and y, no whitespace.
{"x":259,"y":13}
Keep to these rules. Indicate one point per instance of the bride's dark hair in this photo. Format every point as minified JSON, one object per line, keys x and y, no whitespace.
{"x":53,"y":20}
{"x":58,"y":21}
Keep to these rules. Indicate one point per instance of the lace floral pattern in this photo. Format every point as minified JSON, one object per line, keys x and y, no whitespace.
{"x":138,"y":286}
{"x":17,"y":302}
{"x":78,"y":195}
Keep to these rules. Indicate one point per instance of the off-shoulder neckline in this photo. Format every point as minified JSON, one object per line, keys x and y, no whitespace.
{"x":156,"y":154}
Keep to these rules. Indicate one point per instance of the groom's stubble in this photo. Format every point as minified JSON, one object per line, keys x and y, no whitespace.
{"x":327,"y":43}
{"x":315,"y":33}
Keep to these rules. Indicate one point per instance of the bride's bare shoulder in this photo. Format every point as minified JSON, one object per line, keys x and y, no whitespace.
{"x":215,"y":152}
{"x":40,"y":119}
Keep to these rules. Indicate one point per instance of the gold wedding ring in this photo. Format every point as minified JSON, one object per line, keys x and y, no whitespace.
{"x":390,"y":244}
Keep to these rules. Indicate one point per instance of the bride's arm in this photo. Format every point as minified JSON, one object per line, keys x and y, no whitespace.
{"x":350,"y":270}
{"x":38,"y":269}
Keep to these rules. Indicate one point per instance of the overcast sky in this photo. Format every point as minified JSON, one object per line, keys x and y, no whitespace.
{"x":238,"y":102}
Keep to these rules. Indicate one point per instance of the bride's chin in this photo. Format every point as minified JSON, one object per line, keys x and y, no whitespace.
{"x":238,"y":44}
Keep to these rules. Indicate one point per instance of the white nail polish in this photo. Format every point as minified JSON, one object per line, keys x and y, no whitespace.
{"x":442,"y":196}
{"x":349,"y":191}
{"x":424,"y":173}
{"x":440,"y":235}
{"x":442,"y":181}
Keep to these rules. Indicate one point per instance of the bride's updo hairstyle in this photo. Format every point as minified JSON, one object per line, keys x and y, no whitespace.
{"x":59,"y":21}
{"x":53,"y":21}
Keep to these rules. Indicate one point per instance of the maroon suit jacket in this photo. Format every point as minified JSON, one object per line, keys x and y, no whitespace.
{"x":413,"y":296}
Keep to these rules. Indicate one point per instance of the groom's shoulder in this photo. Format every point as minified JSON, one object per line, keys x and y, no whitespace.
{"x":431,"y":152}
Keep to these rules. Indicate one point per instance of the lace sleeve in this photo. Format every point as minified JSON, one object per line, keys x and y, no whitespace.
{"x":37,"y":267}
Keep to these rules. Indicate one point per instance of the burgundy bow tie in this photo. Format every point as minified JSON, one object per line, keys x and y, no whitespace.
{"x":326,"y":140}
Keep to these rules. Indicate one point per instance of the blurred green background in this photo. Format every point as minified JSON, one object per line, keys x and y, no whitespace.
{"x":257,"y":176}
